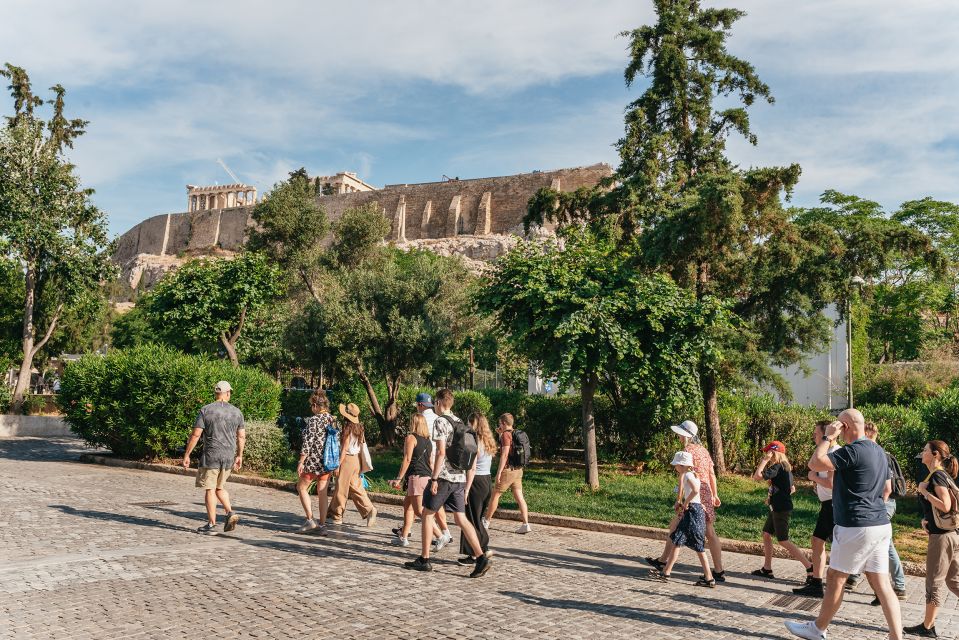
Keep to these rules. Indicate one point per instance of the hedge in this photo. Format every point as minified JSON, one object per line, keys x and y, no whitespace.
{"x":142,"y":402}
{"x":266,"y":447}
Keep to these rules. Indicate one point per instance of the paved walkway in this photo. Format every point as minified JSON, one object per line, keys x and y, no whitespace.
{"x":95,"y":552}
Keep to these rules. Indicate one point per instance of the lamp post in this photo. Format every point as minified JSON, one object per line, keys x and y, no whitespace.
{"x":856,"y":282}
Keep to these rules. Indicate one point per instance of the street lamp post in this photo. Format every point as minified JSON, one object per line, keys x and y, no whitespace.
{"x":856,"y":282}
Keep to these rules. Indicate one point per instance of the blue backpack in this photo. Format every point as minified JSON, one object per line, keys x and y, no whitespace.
{"x":331,"y":449}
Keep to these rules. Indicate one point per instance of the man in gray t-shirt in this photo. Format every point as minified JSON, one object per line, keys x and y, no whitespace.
{"x":221,"y":426}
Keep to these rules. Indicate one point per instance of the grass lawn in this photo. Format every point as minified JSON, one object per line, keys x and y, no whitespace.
{"x":646,"y":499}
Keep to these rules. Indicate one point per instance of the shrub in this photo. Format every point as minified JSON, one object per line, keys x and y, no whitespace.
{"x":466,"y":403}
{"x":142,"y":402}
{"x":266,"y":447}
{"x":34,"y":404}
{"x":902,"y":431}
{"x":553,"y":423}
{"x":5,"y":397}
{"x":506,"y":401}
{"x":907,"y":386}
{"x":941,"y":415}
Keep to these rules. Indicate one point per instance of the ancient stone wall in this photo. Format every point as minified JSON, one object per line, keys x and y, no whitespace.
{"x":419,"y":213}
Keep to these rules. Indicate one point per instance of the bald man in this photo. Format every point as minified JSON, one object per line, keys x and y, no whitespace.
{"x":862,"y":532}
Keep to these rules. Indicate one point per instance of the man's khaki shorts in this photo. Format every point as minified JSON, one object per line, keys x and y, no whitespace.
{"x":509,"y":479}
{"x":211,"y":478}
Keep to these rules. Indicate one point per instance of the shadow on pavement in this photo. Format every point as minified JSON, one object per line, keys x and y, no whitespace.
{"x":683,"y":619}
{"x":121,"y":518}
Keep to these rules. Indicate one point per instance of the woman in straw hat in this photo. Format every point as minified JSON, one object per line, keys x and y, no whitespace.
{"x":349,"y":485}
{"x":691,"y":530}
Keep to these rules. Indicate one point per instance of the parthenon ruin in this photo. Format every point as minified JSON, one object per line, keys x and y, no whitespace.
{"x":219,"y":196}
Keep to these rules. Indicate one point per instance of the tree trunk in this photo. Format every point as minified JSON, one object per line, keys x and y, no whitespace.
{"x":373,"y":400}
{"x":230,"y":347}
{"x":30,"y":346}
{"x":589,"y":431}
{"x":391,"y":413}
{"x":709,"y":387}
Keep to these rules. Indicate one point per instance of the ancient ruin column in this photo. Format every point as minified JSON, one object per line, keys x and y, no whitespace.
{"x":453,"y":218}
{"x":399,"y":220}
{"x":425,"y":220}
{"x":484,"y":218}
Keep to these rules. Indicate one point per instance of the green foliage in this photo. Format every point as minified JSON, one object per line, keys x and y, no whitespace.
{"x":357,"y":236}
{"x":206,"y":302}
{"x":466,"y":403}
{"x":11,"y":308}
{"x":133,"y":328}
{"x":49,"y":227}
{"x":266,"y":447}
{"x":290,"y":228}
{"x":506,"y":401}
{"x":941,"y":414}
{"x":34,"y":404}
{"x":902,"y":431}
{"x":142,"y":402}
{"x":904,"y":385}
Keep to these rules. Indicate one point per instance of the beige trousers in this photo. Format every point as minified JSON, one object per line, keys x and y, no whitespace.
{"x":942,"y":566}
{"x":349,"y":486}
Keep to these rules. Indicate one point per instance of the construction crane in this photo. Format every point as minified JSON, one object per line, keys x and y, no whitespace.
{"x":227,"y":169}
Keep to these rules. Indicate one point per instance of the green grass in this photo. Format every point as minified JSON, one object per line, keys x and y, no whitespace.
{"x":647,"y":500}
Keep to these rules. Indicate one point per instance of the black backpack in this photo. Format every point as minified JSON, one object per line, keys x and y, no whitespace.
{"x":898,"y":479}
{"x":519,"y":454}
{"x":462,"y":446}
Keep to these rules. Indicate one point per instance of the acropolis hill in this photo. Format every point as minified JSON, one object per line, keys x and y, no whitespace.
{"x":478,"y":219}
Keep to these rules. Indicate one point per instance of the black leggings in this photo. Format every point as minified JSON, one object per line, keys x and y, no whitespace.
{"x":476,"y":505}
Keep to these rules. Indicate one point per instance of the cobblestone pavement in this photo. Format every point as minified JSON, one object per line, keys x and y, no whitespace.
{"x":84,"y":554}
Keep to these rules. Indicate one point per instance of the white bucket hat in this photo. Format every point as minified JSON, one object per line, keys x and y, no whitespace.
{"x":683,"y":458}
{"x":687,"y":429}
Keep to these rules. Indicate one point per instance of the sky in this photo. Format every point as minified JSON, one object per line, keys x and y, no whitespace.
{"x":867,"y":91}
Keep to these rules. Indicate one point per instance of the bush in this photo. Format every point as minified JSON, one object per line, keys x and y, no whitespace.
{"x":906,"y":386}
{"x":142,"y":402}
{"x":266,"y":447}
{"x":506,"y":401}
{"x":941,"y":415}
{"x":902,"y":431}
{"x":466,"y":403}
{"x":5,"y":398}
{"x":553,"y":423}
{"x":34,"y":404}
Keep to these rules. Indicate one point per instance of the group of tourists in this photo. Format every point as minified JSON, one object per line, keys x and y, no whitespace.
{"x":447,"y":467}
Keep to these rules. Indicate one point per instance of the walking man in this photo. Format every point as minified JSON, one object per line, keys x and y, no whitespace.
{"x":424,"y":406}
{"x":862,"y":532}
{"x":509,"y":475}
{"x":822,"y":480}
{"x":447,"y":487}
{"x":221,"y":426}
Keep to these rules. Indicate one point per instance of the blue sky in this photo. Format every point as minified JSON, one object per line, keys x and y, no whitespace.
{"x":866,"y":90}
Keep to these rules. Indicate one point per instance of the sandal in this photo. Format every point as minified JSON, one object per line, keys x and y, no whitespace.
{"x":763,"y":572}
{"x":703,"y":582}
{"x":657,"y":574}
{"x":719,"y":576}
{"x":655,"y":563}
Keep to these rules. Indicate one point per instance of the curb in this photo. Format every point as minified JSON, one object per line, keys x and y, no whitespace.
{"x":568,"y":522}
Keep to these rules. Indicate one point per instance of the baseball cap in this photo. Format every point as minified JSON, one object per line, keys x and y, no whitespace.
{"x":686,"y":428}
{"x":222,"y":387}
{"x":424,"y":399}
{"x":775,"y":445}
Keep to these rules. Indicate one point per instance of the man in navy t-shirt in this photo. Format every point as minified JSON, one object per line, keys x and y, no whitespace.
{"x":862,"y":532}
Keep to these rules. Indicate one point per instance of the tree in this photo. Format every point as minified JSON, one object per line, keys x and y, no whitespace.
{"x":48,"y":225}
{"x":590,"y":319}
{"x":385,"y":314}
{"x":206,"y":302}
{"x":291,"y":228}
{"x":718,"y":230}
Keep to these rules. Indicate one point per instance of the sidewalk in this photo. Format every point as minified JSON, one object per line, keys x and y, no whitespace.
{"x":90,"y":551}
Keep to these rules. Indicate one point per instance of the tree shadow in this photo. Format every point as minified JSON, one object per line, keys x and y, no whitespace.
{"x":120,"y":518}
{"x":682,"y":618}
{"x":44,"y":449}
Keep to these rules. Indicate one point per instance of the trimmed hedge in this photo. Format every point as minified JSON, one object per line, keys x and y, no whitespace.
{"x":142,"y":402}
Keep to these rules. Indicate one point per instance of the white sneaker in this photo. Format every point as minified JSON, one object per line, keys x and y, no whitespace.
{"x":442,"y":541}
{"x":807,"y":630}
{"x":400,"y":542}
{"x":485,"y":523}
{"x":524,"y":528}
{"x":309,"y":525}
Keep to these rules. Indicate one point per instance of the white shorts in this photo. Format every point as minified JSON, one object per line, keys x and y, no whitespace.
{"x":861,"y":549}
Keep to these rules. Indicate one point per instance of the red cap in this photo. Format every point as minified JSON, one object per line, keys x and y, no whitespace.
{"x":775,"y":445}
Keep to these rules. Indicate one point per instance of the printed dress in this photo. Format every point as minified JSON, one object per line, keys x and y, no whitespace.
{"x":314,"y":441}
{"x":691,"y":530}
{"x":703,"y":465}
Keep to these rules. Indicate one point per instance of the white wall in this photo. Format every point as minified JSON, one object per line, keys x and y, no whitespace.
{"x":825,"y":384}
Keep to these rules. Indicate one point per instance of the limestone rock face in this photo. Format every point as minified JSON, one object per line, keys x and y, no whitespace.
{"x":476,"y":251}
